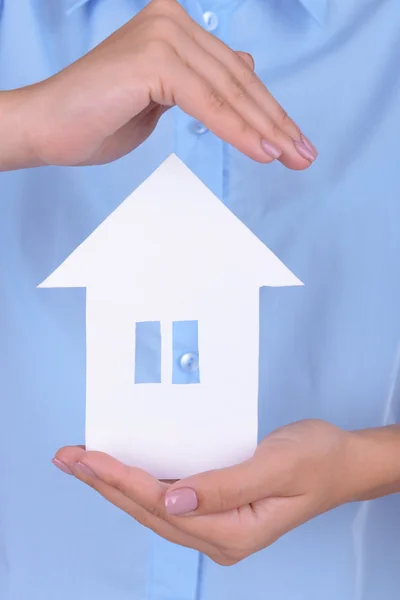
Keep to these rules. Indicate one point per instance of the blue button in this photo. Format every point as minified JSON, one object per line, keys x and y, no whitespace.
{"x":198,"y":128}
{"x":189,"y":362}
{"x":210,"y":20}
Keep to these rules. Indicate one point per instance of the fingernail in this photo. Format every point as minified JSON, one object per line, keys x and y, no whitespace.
{"x":62,"y":466}
{"x":305,"y":150}
{"x":270,"y":149}
{"x":309,"y":145}
{"x":84,"y":469}
{"x":181,"y":501}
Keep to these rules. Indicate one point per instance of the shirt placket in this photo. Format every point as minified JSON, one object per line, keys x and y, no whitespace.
{"x":203,"y":152}
{"x":173,"y":571}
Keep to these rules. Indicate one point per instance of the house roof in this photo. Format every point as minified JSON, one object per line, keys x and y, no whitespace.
{"x":171,"y":227}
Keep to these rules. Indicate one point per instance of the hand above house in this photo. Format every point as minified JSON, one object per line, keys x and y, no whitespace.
{"x":298,"y":472}
{"x":107,"y":103}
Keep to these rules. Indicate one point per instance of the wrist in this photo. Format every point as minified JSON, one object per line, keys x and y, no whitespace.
{"x":16,"y":144}
{"x":374,"y":457}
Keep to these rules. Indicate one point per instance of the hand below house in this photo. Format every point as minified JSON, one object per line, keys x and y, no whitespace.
{"x":108,"y":102}
{"x":297,"y":473}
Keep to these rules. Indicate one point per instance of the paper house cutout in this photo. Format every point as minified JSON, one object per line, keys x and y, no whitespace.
{"x":172,"y":252}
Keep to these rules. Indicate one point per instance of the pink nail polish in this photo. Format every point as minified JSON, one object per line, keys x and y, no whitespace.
{"x":179,"y":502}
{"x":84,"y":470}
{"x":304,"y":151}
{"x":309,"y":145}
{"x":62,"y":466}
{"x":270,"y":149}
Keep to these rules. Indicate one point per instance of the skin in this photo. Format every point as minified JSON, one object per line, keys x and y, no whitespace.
{"x":298,"y":472}
{"x":107,"y":103}
{"x":99,"y":109}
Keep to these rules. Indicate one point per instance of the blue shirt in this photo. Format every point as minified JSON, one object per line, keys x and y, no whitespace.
{"x":329,"y":349}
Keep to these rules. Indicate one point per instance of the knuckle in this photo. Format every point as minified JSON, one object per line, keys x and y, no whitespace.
{"x":156,"y":511}
{"x":283,"y":118}
{"x":159,"y":56}
{"x":243,"y":128}
{"x":163,"y":6}
{"x":92,"y":483}
{"x":215,"y":101}
{"x":140,"y":517}
{"x":236,"y":88}
{"x":141,"y":514}
{"x":249,"y":77}
{"x":223,"y":501}
{"x":275,"y":130}
{"x":249,"y":61}
{"x":157,"y":50}
{"x":119,"y":479}
{"x":120,"y":486}
{"x":167,"y":8}
{"x":118,"y":483}
{"x":162,"y":27}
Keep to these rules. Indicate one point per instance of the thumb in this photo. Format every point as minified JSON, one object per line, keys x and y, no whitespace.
{"x":225,"y":489}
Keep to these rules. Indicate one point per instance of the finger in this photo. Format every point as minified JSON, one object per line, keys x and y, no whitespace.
{"x":176,"y":12}
{"x":235,"y":90}
{"x":255,"y":88}
{"x":214,"y":491}
{"x":236,"y":533}
{"x":136,"y":484}
{"x":195,"y":96}
{"x":228,"y":57}
{"x":241,"y":532}
{"x":222,"y":490}
{"x":297,"y":155}
{"x":98,"y":469}
{"x":246,"y":530}
{"x":140,"y":488}
{"x":73,"y":457}
{"x":225,"y":538}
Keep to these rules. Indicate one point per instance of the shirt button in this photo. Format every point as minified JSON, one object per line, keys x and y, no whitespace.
{"x":198,"y":128}
{"x":189,"y":362}
{"x":211,"y":20}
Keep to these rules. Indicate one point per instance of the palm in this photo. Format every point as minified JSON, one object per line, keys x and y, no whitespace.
{"x":295,"y":474}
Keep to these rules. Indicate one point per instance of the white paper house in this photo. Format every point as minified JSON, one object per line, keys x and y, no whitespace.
{"x":172,"y":252}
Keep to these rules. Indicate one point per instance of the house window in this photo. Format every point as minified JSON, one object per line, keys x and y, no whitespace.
{"x":148,"y":352}
{"x":185,"y":352}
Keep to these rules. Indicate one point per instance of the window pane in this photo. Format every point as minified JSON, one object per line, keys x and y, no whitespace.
{"x":185,"y":352}
{"x":148,"y":352}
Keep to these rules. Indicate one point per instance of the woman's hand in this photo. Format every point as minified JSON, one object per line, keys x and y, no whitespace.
{"x":108,"y":102}
{"x":297,"y":473}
